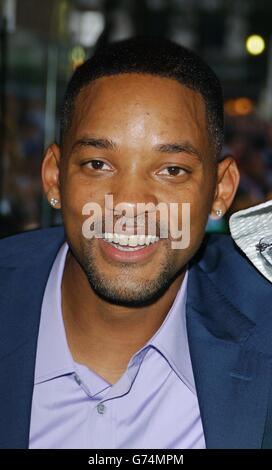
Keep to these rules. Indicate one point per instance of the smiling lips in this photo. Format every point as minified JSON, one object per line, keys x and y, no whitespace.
{"x":129,"y":240}
{"x":126,"y":248}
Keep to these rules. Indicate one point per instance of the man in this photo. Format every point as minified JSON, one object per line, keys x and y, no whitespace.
{"x":107,"y":343}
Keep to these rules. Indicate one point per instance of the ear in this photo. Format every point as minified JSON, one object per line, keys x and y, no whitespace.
{"x":228,"y":178}
{"x":50,"y":175}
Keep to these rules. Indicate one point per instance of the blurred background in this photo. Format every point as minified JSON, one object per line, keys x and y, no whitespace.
{"x":41,"y":43}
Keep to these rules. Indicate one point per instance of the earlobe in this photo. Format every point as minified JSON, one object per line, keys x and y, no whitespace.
{"x":227,"y":183}
{"x":50,"y":175}
{"x":216,"y":213}
{"x":54,"y":202}
{"x":219,"y":212}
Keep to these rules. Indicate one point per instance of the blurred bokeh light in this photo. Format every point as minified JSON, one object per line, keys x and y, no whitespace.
{"x":255,"y":44}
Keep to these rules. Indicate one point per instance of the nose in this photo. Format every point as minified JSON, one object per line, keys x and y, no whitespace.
{"x":134,"y":195}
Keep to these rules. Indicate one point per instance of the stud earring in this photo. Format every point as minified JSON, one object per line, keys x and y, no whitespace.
{"x":218,"y":212}
{"x":53,"y":201}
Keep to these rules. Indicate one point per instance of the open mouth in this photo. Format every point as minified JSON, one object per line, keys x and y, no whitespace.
{"x":129,"y":242}
{"x":128,"y":247}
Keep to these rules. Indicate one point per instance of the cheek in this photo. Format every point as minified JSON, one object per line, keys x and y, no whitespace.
{"x":192,"y":234}
{"x":197,"y":195}
{"x":74,"y":197}
{"x":201,"y":196}
{"x":200,"y":209}
{"x":187,"y":220}
{"x":191,"y":218}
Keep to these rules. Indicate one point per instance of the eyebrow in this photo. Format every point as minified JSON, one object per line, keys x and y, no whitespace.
{"x":108,"y":144}
{"x":98,"y":143}
{"x":182,"y":147}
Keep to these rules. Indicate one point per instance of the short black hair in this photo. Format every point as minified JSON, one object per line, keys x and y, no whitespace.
{"x":153,"y":56}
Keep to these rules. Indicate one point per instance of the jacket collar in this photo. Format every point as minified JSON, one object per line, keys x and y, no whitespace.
{"x":230,"y":344}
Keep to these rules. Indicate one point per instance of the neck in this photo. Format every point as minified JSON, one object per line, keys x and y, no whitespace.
{"x":104,"y":336}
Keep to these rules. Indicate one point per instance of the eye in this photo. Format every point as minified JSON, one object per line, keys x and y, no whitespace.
{"x":173,"y":171}
{"x":97,"y":165}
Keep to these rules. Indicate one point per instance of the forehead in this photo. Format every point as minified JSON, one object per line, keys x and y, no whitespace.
{"x":121,"y":104}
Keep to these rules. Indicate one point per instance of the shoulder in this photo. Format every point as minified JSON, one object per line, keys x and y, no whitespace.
{"x":221,"y":250}
{"x":221,"y":266}
{"x":28,"y":244}
{"x":222,"y":261}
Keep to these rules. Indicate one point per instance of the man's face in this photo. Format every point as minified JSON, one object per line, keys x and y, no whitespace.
{"x":152,"y":123}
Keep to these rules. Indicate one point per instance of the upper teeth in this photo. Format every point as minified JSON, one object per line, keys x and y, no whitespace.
{"x":130,"y":240}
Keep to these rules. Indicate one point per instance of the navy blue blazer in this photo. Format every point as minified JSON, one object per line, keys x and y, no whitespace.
{"x":229,"y":322}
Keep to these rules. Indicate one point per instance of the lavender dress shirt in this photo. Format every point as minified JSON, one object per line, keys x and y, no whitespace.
{"x":152,"y":406}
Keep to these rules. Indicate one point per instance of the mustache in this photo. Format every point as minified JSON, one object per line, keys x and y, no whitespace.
{"x":130,"y":226}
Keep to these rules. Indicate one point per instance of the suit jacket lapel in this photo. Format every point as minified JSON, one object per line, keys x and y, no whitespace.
{"x":230,"y":347}
{"x":21,"y":292}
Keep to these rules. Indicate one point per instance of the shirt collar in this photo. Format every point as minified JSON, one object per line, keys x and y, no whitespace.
{"x":171,"y":338}
{"x":54,"y":357}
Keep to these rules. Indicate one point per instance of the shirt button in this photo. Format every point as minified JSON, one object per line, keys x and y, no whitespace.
{"x":77,"y":379}
{"x":101,"y":408}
